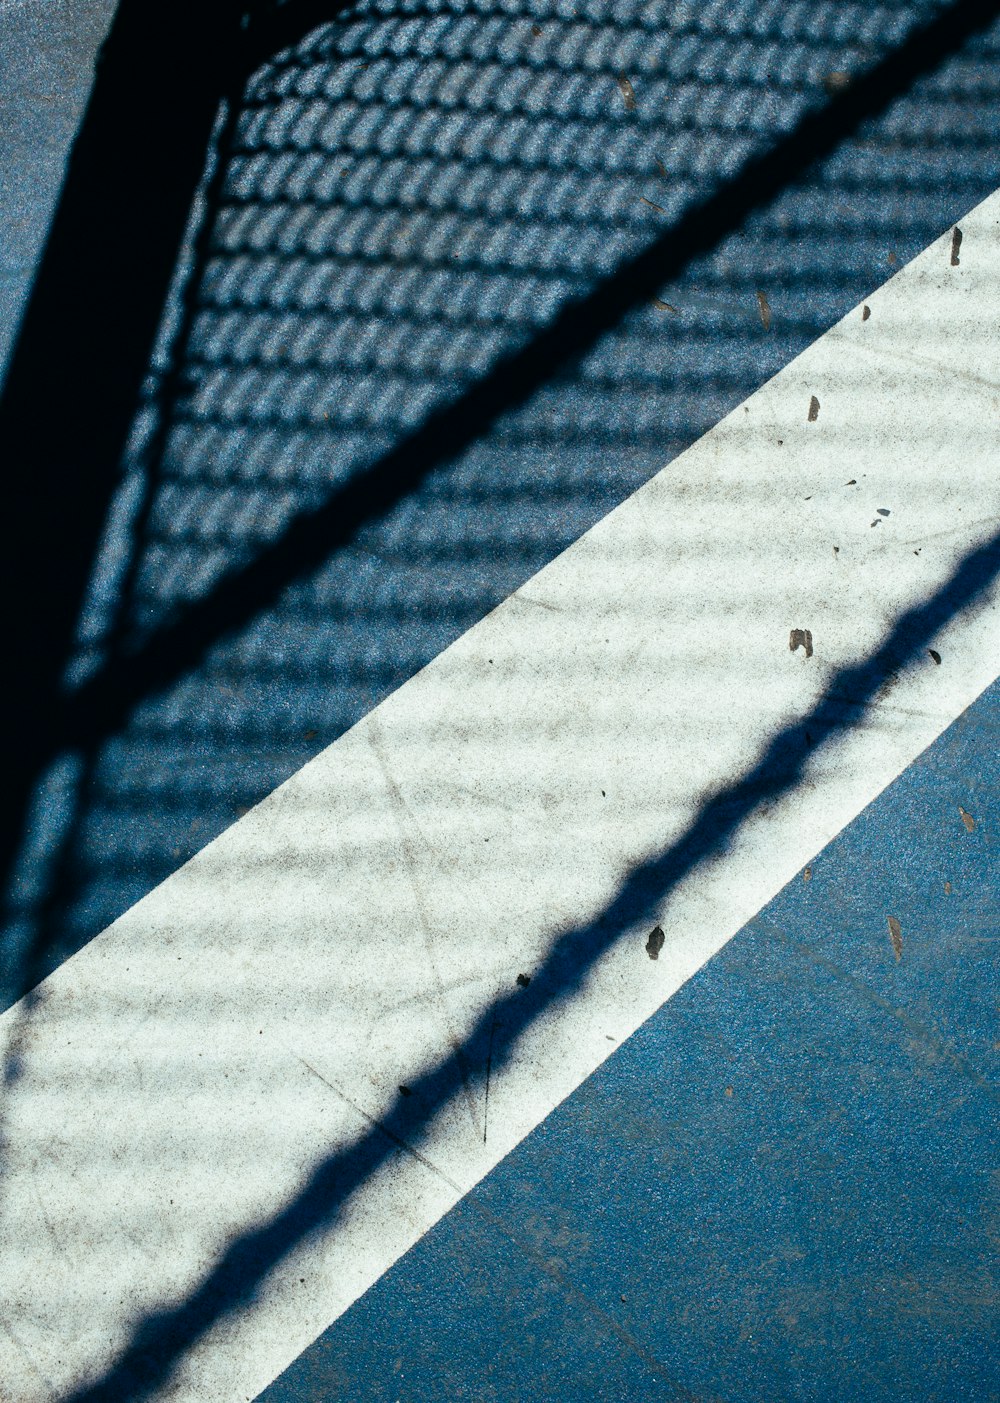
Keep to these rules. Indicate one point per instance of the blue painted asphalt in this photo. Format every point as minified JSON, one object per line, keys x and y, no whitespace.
{"x":47,"y":54}
{"x":783,"y":1186}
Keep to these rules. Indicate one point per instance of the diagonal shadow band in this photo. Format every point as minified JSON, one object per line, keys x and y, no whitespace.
{"x":103,"y":704}
{"x":160,"y":1340}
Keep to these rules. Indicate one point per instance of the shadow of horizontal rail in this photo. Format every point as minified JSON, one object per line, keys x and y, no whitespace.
{"x":160,"y":1340}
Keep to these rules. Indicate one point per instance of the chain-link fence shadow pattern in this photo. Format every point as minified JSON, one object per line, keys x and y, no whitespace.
{"x":399,"y":200}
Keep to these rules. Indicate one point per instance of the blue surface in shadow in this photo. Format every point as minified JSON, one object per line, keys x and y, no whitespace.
{"x":407,"y":194}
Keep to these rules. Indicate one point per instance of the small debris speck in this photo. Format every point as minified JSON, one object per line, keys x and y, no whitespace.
{"x":935,"y":655}
{"x":659,"y":208}
{"x":836,"y":81}
{"x":947,"y":889}
{"x":896,"y":936}
{"x":536,"y":30}
{"x":806,"y":873}
{"x":801,"y":638}
{"x":813,"y":409}
{"x":866,"y":312}
{"x":627,"y":92}
{"x":729,"y":1091}
{"x":405,"y":1091}
{"x":655,"y":942}
{"x":893,"y":258}
{"x":956,"y":244}
{"x":765,"y":310}
{"x":523,"y":980}
{"x":665,"y":306}
{"x":967,"y":819}
{"x":883,"y":511}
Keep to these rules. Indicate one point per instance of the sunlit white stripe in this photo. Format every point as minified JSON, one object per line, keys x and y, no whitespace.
{"x":183,"y":1073}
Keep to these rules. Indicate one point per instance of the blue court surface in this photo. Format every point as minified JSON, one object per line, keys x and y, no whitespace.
{"x":782,"y":1186}
{"x":500,"y":818}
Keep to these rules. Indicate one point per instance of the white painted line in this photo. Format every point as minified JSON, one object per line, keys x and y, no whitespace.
{"x":184,"y":1073}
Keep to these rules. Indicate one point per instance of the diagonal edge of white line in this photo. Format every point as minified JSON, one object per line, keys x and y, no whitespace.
{"x":184,"y":1074}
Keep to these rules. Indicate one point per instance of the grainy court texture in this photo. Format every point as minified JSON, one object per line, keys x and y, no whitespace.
{"x":501,"y":891}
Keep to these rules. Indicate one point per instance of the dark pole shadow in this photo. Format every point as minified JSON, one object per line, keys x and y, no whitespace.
{"x":90,"y":326}
{"x":87,"y":336}
{"x":159,"y":1340}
